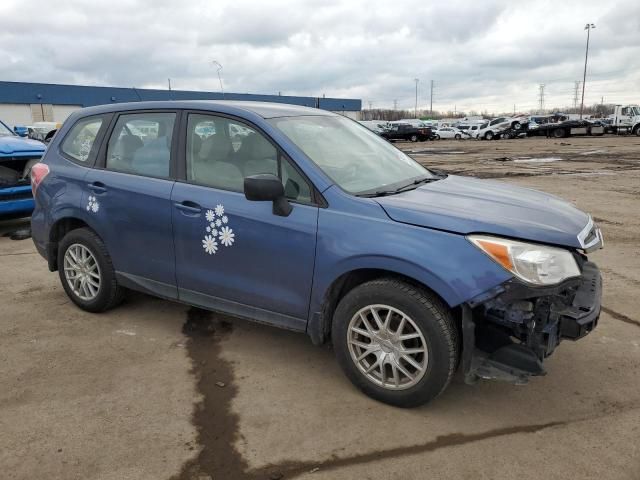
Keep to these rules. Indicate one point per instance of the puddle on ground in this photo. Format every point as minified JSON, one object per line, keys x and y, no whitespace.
{"x":593,"y":152}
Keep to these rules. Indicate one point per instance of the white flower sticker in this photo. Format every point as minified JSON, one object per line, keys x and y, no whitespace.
{"x":210,"y":245}
{"x":93,"y":205}
{"x":227,"y":237}
{"x":215,"y":231}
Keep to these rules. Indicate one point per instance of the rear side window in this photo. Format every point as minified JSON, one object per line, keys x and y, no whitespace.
{"x":141,"y":144}
{"x":81,"y":139}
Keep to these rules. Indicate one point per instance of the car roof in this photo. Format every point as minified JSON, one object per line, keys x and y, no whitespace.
{"x":263,"y":109}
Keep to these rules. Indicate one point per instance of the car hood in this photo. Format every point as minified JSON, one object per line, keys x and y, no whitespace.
{"x":467,"y":205}
{"x":11,"y":145}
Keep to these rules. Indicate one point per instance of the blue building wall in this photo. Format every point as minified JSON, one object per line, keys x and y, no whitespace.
{"x":30,"y":93}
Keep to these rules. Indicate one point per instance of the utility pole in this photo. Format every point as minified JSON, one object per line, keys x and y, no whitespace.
{"x":431,"y":100}
{"x":395,"y":104}
{"x":416,"y":107}
{"x":514,"y":109}
{"x":541,"y":97}
{"x":169,"y":81}
{"x":588,"y":28}
{"x":576,"y":88}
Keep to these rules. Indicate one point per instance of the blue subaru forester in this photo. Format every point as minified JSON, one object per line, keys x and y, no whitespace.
{"x":303,"y":219}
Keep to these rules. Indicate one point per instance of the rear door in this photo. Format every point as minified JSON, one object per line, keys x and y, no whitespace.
{"x":129,"y":194}
{"x":233,"y":254}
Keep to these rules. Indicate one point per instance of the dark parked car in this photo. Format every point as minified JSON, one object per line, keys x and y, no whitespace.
{"x":313,"y":223}
{"x":407,"y":132}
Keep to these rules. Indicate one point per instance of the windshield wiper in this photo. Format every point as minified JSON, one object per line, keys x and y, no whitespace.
{"x":403,"y":188}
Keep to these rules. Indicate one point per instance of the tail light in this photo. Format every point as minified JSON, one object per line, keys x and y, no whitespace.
{"x":38,"y":172}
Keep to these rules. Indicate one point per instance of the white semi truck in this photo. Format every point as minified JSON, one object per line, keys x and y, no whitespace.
{"x":625,"y":119}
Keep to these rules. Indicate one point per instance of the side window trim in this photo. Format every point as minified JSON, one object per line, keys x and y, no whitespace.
{"x":97,"y":142}
{"x":317,"y":199}
{"x":101,"y":157}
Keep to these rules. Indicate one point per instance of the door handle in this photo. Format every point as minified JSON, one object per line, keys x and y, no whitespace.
{"x":97,"y":187}
{"x":188,"y":207}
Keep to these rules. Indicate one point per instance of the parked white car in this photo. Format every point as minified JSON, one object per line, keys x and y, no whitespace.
{"x":495,"y":127}
{"x":448,"y":132}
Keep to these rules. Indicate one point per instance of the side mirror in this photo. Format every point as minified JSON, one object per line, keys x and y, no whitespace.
{"x":267,"y":188}
{"x":20,"y":130}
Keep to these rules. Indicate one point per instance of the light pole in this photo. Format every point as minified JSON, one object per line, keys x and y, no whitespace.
{"x":588,"y":28}
{"x":416,"y":109}
{"x":219,"y":67}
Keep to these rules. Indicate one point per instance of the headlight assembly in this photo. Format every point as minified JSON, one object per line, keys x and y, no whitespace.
{"x":533,"y":263}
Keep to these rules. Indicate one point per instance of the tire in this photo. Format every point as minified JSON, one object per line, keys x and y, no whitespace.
{"x":108,"y":293}
{"x":413,"y":138}
{"x":489,"y":135}
{"x":426,"y":318}
{"x":516,"y":125}
{"x":637,"y":130}
{"x":457,"y":136}
{"x":437,"y":137}
{"x":559,"y":133}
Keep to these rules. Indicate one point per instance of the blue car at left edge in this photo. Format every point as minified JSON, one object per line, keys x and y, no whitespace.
{"x":17,"y":156}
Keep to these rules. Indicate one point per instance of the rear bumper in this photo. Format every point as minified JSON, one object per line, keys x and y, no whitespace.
{"x":537,"y":318}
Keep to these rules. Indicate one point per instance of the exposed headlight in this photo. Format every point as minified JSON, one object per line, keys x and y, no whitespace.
{"x":536,"y":264}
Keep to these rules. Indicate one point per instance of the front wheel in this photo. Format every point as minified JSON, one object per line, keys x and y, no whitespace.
{"x":86,"y":271}
{"x":488,"y":136}
{"x":559,"y":133}
{"x":413,"y":138}
{"x":396,"y":342}
{"x":458,"y":136}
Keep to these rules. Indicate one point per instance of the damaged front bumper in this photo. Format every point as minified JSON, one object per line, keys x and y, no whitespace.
{"x":510,"y":331}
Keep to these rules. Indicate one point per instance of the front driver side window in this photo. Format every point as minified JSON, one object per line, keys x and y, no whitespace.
{"x":221,"y":152}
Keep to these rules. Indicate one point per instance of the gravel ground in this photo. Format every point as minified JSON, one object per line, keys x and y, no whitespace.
{"x":158,"y":390}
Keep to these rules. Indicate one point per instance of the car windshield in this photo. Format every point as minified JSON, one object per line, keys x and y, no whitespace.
{"x":354,"y":157}
{"x":4,"y":130}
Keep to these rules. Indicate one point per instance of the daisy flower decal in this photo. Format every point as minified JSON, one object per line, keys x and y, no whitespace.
{"x":93,"y":205}
{"x":210,"y":245}
{"x":217,"y":231}
{"x":227,"y":237}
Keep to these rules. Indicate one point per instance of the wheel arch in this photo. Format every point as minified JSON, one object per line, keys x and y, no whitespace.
{"x":320,"y":323}
{"x":58,"y":230}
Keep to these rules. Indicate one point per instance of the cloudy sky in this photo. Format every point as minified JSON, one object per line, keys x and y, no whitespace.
{"x":481,"y":54}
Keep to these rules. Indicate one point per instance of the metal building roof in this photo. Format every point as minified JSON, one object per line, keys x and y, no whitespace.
{"x":86,"y":96}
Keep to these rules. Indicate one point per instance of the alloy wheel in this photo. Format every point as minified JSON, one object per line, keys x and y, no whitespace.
{"x":388,"y":347}
{"x":82,"y":272}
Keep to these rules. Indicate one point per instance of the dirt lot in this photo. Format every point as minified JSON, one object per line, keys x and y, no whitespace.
{"x":132,"y":394}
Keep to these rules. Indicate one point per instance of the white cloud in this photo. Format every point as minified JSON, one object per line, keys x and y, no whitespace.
{"x":482,"y":55}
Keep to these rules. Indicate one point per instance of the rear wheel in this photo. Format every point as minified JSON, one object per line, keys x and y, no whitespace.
{"x":559,"y":133}
{"x":86,"y":271}
{"x":636,"y":130}
{"x":395,"y":342}
{"x":413,"y":138}
{"x":457,"y":136}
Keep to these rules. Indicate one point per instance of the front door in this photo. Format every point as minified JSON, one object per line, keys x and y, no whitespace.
{"x":130,"y":196}
{"x":232,"y":254}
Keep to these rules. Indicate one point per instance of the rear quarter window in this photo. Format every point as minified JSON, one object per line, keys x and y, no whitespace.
{"x":80,"y":141}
